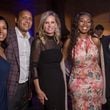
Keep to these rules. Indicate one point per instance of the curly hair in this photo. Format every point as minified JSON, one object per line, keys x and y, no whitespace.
{"x":75,"y":32}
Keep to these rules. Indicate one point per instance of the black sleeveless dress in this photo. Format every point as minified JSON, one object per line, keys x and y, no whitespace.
{"x":50,"y":75}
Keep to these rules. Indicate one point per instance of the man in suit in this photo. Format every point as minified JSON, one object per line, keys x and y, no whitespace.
{"x":18,"y":54}
{"x":105,"y":40}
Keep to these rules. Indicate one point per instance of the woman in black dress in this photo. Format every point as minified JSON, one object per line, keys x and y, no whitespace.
{"x":4,"y":65}
{"x":45,"y":63}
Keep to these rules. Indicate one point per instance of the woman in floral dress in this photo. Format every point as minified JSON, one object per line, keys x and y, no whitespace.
{"x":86,"y":81}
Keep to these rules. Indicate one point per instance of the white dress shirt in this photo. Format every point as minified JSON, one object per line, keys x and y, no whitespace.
{"x":24,"y":55}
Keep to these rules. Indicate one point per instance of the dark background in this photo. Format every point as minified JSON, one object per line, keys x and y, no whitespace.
{"x":61,"y":7}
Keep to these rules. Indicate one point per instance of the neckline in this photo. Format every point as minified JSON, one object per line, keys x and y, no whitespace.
{"x":84,"y":39}
{"x":3,"y":58}
{"x":50,"y":37}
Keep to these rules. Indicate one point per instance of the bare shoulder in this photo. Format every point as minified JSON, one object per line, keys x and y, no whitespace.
{"x":96,"y":41}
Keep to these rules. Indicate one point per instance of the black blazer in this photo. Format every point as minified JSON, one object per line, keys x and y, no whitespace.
{"x":105,"y":40}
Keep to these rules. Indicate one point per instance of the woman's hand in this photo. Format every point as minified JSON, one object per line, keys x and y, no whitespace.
{"x":42,"y":96}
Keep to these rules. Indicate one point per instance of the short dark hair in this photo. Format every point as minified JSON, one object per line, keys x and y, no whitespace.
{"x":21,"y":11}
{"x":99,"y":27}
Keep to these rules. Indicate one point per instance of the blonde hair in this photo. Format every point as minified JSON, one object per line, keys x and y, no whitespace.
{"x":42,"y":34}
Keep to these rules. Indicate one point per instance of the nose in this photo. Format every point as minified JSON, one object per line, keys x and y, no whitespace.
{"x":49,"y":24}
{"x":85,"y":23}
{"x":1,"y":30}
{"x":27,"y":19}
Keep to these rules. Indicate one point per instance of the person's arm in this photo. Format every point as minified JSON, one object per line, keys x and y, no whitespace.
{"x":41,"y":95}
{"x":35,"y":55}
{"x":65,"y":48}
{"x":98,"y":44}
{"x":66,"y":64}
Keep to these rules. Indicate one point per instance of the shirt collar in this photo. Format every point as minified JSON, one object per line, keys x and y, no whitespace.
{"x":19,"y":34}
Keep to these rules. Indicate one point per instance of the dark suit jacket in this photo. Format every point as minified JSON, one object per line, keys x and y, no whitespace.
{"x":12,"y":53}
{"x":105,"y":40}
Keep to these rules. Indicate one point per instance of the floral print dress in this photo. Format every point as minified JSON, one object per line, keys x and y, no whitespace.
{"x":86,"y":81}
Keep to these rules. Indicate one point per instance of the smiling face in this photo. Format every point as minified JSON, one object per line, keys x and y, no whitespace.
{"x":24,"y":21}
{"x":3,"y":30}
{"x":50,"y":25}
{"x":84,"y":24}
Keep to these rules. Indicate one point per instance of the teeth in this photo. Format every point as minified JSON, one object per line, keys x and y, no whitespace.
{"x":50,"y":29}
{"x":84,"y":27}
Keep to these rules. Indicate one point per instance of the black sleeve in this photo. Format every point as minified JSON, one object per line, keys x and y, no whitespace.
{"x":34,"y":59}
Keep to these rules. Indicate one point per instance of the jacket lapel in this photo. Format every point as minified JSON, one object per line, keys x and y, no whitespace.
{"x":15,"y":47}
